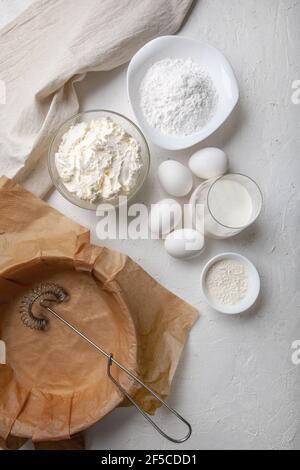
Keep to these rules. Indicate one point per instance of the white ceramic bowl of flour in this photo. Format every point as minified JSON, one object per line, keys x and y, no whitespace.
{"x":230,"y":283}
{"x":211,"y":60}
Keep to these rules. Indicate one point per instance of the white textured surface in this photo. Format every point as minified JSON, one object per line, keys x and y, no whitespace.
{"x":236,"y":382}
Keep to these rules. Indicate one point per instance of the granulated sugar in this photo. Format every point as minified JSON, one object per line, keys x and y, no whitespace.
{"x":227,"y":282}
{"x":178,"y":97}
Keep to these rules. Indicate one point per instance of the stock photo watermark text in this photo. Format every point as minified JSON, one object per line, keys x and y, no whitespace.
{"x":2,"y":92}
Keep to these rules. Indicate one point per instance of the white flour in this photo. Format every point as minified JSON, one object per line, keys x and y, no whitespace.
{"x":98,"y":160}
{"x":177,"y":96}
{"x":227,"y":282}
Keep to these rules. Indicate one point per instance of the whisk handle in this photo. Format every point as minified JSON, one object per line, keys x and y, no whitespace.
{"x":111,"y":360}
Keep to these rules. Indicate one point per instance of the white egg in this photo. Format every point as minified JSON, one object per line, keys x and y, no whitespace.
{"x":165,"y":216}
{"x":175,"y":178}
{"x":209,"y":163}
{"x":184,"y":243}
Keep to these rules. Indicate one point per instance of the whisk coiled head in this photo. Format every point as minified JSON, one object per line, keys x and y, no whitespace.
{"x":42,"y":292}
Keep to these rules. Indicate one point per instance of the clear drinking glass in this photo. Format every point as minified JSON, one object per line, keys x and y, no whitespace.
{"x":224,"y":206}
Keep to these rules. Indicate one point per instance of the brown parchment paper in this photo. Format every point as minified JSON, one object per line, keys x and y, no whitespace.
{"x":55,"y":386}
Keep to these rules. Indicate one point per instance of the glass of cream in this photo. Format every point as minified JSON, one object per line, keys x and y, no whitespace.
{"x":224,"y":206}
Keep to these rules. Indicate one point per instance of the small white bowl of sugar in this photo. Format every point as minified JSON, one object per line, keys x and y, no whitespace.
{"x":180,"y":90}
{"x":230,"y":283}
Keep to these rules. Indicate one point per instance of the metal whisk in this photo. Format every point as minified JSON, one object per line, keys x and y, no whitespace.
{"x":47,"y":294}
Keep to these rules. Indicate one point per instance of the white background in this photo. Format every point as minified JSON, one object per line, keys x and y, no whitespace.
{"x":236,"y":382}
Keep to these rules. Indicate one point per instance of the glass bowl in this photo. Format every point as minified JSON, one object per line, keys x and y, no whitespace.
{"x":89,"y":116}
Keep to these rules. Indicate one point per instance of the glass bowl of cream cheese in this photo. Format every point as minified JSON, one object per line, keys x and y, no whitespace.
{"x":98,"y":157}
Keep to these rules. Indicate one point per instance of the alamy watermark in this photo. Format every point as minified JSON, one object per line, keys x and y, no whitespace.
{"x":139,"y":222}
{"x":296,"y":352}
{"x":2,"y":352}
{"x":2,"y":92}
{"x":296,"y":93}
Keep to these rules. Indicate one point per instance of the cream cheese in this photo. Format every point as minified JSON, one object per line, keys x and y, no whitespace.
{"x":98,"y":160}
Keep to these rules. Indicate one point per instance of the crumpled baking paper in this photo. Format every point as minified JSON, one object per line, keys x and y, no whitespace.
{"x":53,"y":384}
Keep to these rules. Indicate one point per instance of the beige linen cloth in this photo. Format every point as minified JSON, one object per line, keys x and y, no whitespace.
{"x":49,"y":47}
